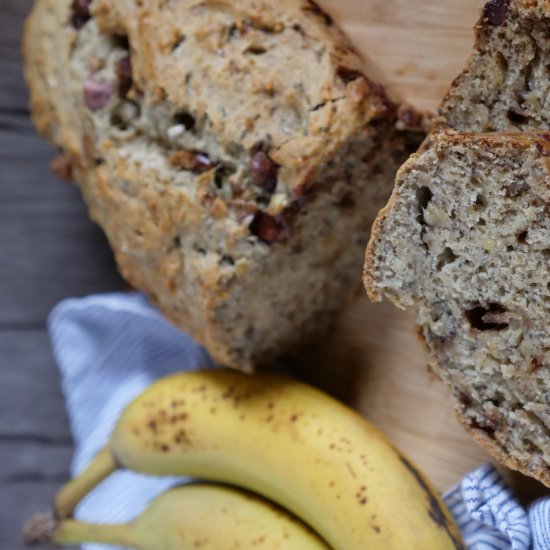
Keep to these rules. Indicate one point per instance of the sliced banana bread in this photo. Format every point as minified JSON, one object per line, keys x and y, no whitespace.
{"x":506,"y":83}
{"x":465,"y":238}
{"x":235,"y":154}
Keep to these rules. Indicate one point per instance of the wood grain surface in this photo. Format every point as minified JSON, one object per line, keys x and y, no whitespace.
{"x":49,"y":250}
{"x":418,"y":46}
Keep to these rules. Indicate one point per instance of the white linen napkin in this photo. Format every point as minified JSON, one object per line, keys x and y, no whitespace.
{"x":111,"y":347}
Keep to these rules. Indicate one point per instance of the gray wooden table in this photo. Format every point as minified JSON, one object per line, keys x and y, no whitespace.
{"x":48,"y":250}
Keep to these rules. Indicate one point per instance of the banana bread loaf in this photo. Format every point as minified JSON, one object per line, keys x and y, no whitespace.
{"x":466,"y":239}
{"x":234,"y":153}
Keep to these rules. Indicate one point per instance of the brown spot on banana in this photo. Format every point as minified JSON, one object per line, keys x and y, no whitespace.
{"x":435,"y":511}
{"x":351,"y":470}
{"x":228,"y":392}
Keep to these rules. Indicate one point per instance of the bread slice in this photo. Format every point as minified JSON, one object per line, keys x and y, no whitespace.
{"x":506,"y":83}
{"x":465,"y":239}
{"x":235,"y":154}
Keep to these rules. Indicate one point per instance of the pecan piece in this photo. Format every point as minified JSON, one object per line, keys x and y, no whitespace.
{"x":80,"y":13}
{"x":496,"y":11}
{"x":194,"y":161}
{"x":123,"y":70}
{"x":536,"y":364}
{"x":465,"y":399}
{"x":267,"y":228}
{"x":408,"y":117}
{"x":97,"y":93}
{"x":264,"y":171}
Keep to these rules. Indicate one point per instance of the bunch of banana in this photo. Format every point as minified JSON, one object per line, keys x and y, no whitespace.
{"x":285,"y":441}
{"x":189,"y":517}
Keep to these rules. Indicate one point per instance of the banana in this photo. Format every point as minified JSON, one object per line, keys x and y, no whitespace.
{"x":286,"y":441}
{"x":210,"y":517}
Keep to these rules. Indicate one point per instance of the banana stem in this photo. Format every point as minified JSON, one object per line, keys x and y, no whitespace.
{"x":103,"y":465}
{"x":45,"y":529}
{"x":77,"y":532}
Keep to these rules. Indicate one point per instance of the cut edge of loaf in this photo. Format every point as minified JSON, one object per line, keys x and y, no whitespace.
{"x":465,"y":218}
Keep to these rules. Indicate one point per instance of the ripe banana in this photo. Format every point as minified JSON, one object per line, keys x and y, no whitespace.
{"x":212,"y":517}
{"x":286,"y":441}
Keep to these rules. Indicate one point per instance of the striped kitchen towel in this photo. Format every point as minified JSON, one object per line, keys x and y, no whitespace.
{"x":110,"y":347}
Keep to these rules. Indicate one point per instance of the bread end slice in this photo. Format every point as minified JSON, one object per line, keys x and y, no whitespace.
{"x":465,"y":239}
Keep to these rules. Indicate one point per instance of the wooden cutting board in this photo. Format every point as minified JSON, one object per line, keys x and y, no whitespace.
{"x":373,"y":359}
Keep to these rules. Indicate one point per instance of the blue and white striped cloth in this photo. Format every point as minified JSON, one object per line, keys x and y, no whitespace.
{"x":111,"y":347}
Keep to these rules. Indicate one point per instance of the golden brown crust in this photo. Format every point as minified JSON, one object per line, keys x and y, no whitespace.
{"x":377,"y":228}
{"x":442,"y":139}
{"x":370,"y":254}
